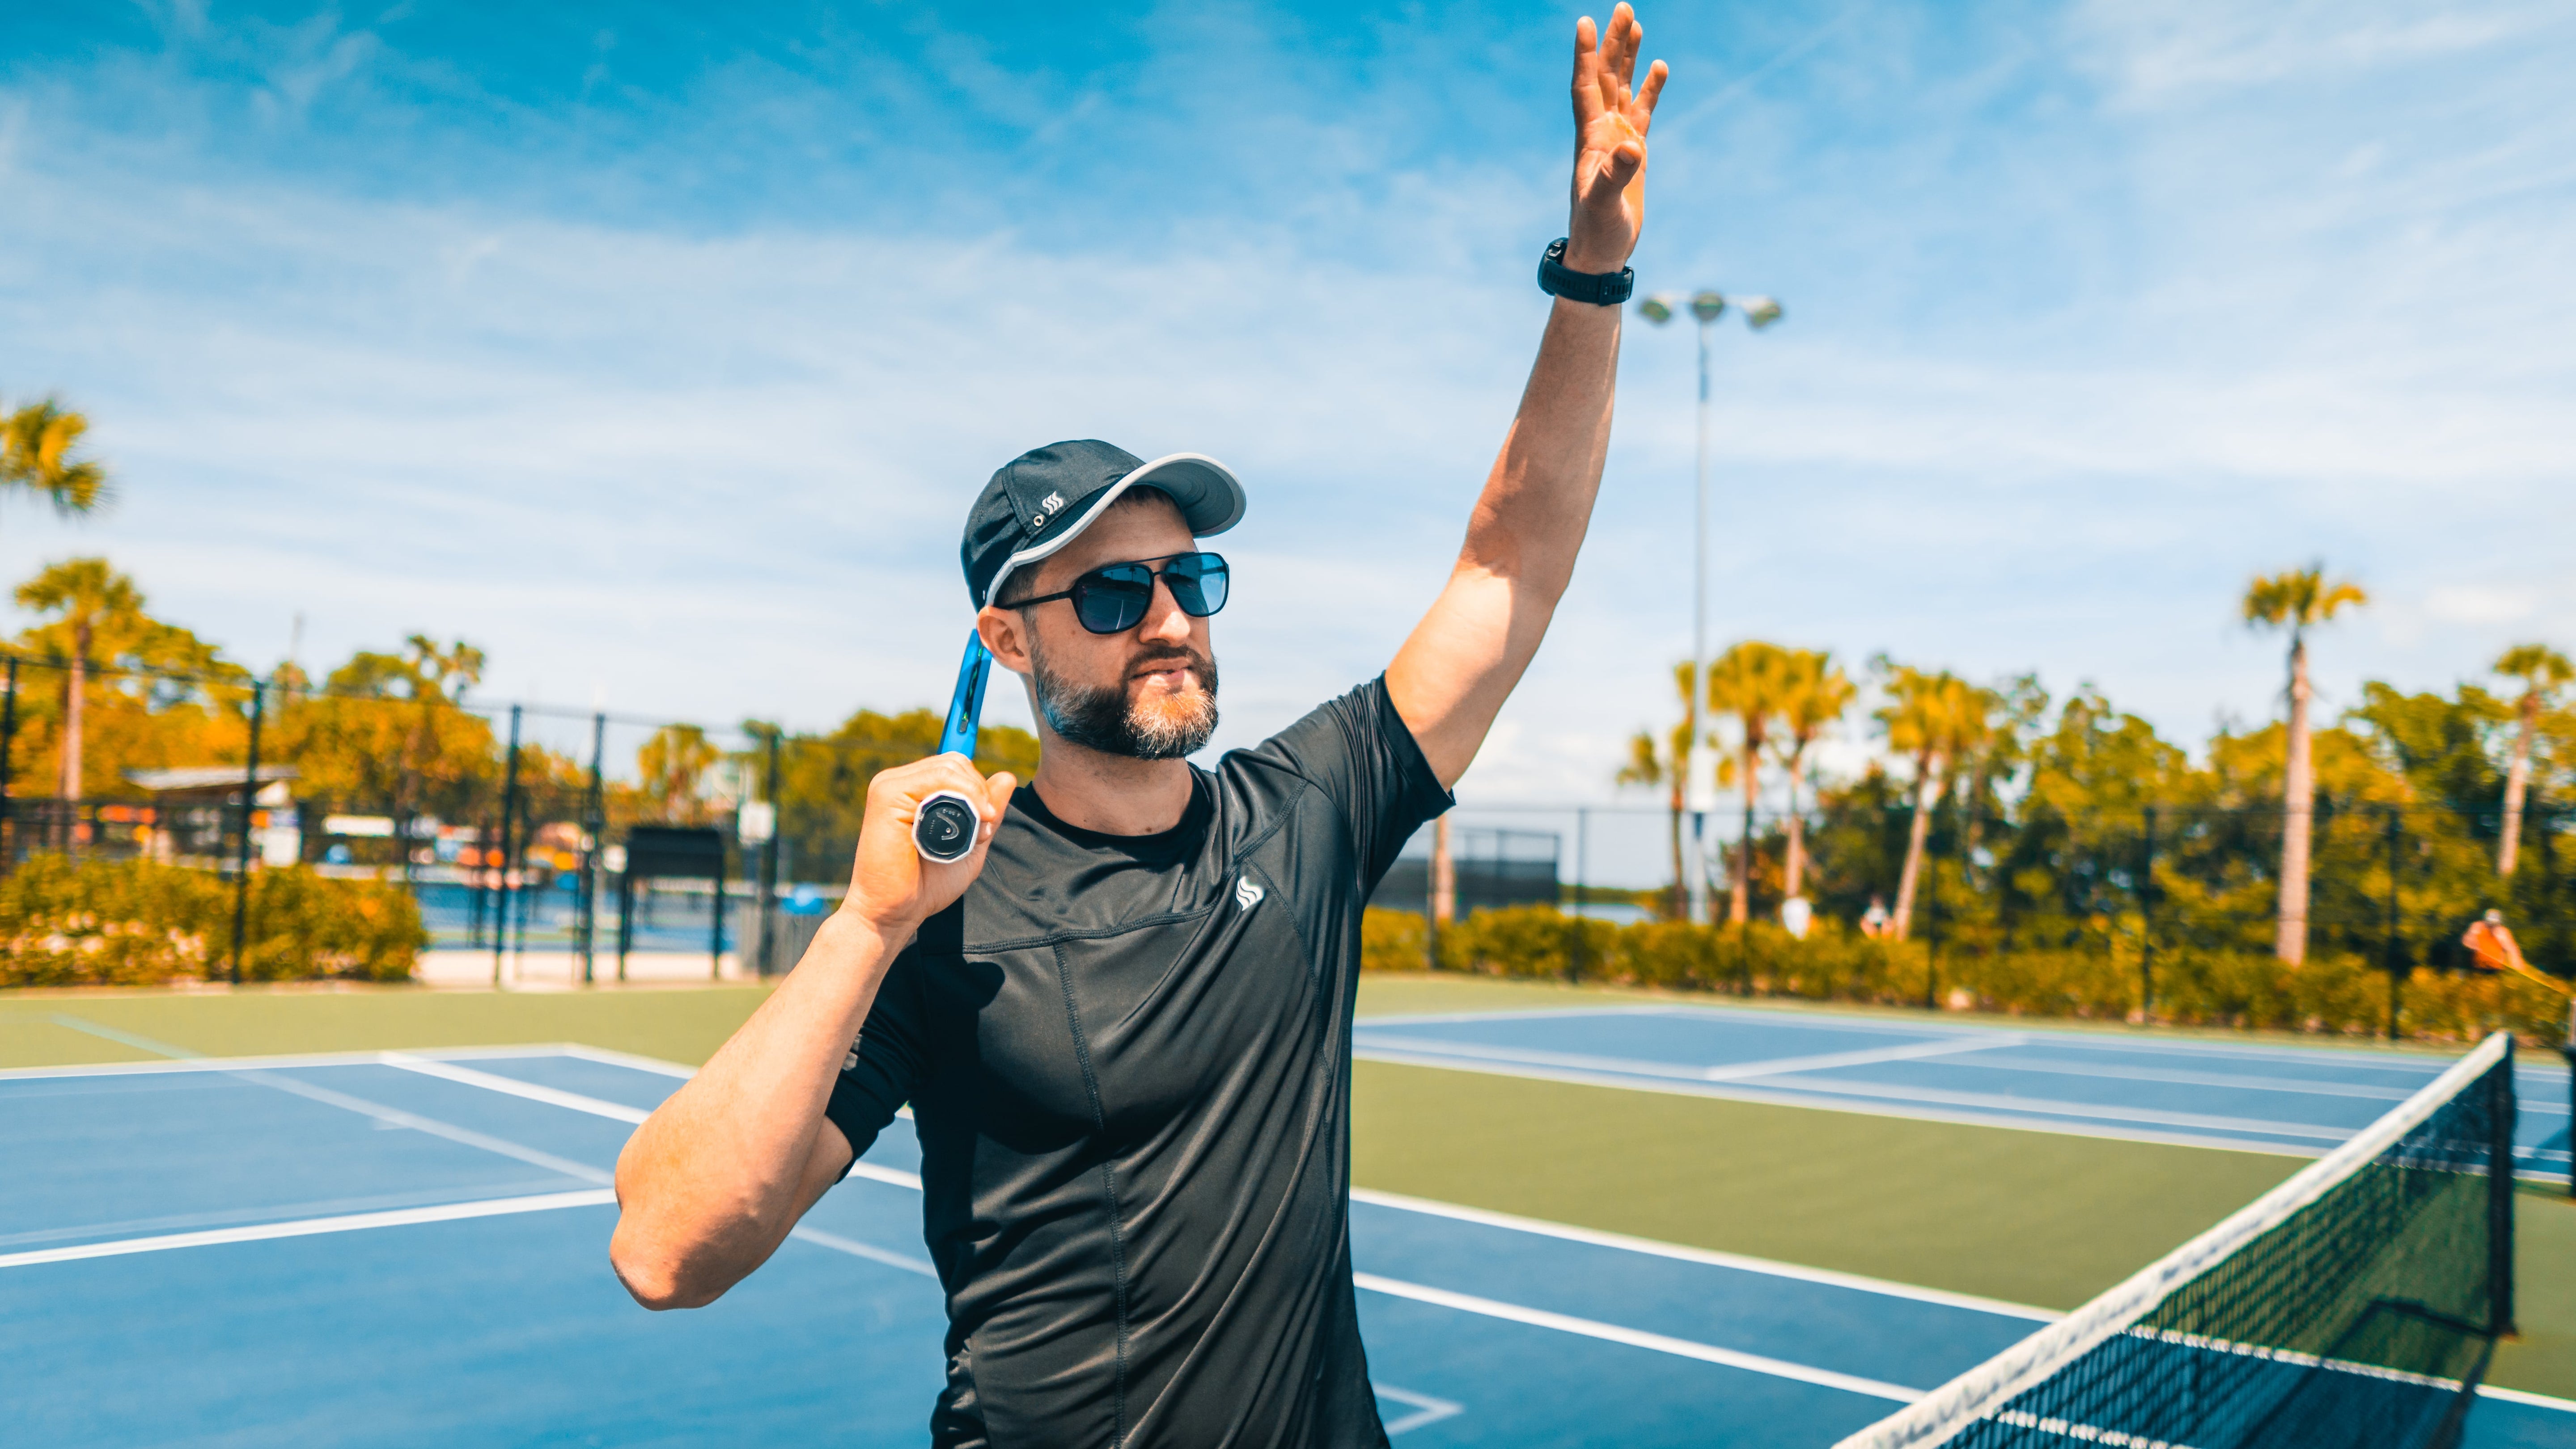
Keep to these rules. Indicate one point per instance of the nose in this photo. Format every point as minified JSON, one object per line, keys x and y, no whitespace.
{"x":1164,"y":618}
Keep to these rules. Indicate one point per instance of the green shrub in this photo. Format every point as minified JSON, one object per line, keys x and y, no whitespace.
{"x":135,"y":922}
{"x":2332,"y":993}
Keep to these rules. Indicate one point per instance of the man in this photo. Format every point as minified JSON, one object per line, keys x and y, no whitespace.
{"x":1122,"y":1021}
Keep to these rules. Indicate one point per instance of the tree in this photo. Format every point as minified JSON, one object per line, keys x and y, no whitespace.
{"x":37,"y":443}
{"x":2543,"y":672}
{"x":1751,"y":681}
{"x":386,"y":733}
{"x":673,"y":763}
{"x":96,"y":605}
{"x":2297,"y":600}
{"x":1817,"y":695}
{"x":1931,"y":717}
{"x":1668,"y":766}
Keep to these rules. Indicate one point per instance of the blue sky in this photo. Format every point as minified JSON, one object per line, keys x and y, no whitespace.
{"x":660,"y":356}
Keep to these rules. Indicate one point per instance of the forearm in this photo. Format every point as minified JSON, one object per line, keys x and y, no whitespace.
{"x":711,"y":1183}
{"x":1452,"y":675}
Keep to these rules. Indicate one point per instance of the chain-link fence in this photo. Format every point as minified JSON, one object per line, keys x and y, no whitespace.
{"x":586,"y":844}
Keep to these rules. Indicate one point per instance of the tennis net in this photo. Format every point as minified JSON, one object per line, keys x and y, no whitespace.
{"x":2354,"y":1305}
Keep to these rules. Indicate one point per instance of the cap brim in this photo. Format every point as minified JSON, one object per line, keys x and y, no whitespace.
{"x":1208,"y":494}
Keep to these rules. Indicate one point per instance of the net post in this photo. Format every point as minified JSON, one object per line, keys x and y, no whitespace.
{"x":2500,"y":1193}
{"x":8,"y":732}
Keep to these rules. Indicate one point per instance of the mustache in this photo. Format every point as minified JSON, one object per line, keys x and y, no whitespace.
{"x":1152,"y":655}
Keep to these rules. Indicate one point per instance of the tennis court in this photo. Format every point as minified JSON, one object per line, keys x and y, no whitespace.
{"x":396,"y":1248}
{"x":2205,"y":1093}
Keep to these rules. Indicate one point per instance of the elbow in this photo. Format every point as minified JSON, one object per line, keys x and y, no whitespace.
{"x":658,"y":1277}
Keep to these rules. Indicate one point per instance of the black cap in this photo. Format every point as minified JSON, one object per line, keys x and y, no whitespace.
{"x":1041,"y":499}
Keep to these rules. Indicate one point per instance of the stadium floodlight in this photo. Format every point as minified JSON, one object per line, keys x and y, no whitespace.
{"x":1706,"y":307}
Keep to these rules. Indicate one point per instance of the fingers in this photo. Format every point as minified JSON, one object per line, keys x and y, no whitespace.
{"x":1641,"y":113}
{"x":1587,"y":83}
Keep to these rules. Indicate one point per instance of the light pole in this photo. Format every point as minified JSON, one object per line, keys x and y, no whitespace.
{"x":1705,"y":308}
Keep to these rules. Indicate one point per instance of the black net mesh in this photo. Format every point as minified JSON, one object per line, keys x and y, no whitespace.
{"x":2363,"y":1318}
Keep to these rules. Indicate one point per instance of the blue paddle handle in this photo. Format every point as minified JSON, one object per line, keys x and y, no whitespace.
{"x":966,"y":706}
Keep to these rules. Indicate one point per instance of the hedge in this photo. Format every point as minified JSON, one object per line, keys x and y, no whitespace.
{"x":136,"y":922}
{"x":2330,"y":993}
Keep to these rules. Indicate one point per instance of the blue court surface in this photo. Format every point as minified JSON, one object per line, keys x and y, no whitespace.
{"x":2292,"y":1099}
{"x":410,"y":1249}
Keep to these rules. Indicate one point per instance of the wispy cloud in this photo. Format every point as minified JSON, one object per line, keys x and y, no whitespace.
{"x":670,"y":379}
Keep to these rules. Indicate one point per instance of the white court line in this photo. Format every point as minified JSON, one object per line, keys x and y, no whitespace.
{"x":1788,"y":1095}
{"x":1812,"y":1017}
{"x":2527,"y":1399}
{"x":513,"y":1087}
{"x":1708,"y":1257}
{"x":1686,"y":1071}
{"x":1426,"y":1409}
{"x":1636,"y":1338}
{"x":265,"y":1063}
{"x":307,"y":1227}
{"x":857,"y":1249}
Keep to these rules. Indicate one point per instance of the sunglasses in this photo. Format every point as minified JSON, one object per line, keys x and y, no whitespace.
{"x":1113,"y":600}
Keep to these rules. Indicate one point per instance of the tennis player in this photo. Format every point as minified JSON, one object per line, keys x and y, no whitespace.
{"x":1123,"y":1021}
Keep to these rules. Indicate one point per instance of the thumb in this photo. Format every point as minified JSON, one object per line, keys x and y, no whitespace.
{"x":998,"y":788}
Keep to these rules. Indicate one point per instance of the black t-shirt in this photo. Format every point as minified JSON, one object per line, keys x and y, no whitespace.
{"x":1128,"y":1059}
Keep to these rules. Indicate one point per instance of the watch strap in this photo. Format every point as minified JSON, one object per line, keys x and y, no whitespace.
{"x":1601,"y":289}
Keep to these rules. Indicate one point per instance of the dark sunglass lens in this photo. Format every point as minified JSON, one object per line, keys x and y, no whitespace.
{"x":1198,"y":583}
{"x":1113,"y":600}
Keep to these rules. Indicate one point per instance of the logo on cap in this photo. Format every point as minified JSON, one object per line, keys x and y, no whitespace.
{"x":1049,"y":504}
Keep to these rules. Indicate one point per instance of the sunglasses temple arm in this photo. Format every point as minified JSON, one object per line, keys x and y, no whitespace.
{"x":966,"y":706}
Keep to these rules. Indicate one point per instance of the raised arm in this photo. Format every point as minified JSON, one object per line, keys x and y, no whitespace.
{"x":1453,"y":673}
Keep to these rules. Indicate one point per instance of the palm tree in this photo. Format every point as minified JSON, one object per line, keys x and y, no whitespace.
{"x":96,"y":604}
{"x":1667,"y":765}
{"x":36,"y":446}
{"x":2543,"y":672}
{"x":1750,"y":681}
{"x":1818,"y":694}
{"x":1931,"y":717}
{"x":2297,"y":600}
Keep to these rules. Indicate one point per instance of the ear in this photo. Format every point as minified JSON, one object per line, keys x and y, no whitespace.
{"x":1005,"y":632}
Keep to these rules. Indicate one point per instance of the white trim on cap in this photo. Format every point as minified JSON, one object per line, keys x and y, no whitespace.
{"x":1108,"y":496}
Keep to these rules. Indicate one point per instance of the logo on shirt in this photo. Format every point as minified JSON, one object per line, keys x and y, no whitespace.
{"x":850,"y":1063}
{"x":1246,"y":894}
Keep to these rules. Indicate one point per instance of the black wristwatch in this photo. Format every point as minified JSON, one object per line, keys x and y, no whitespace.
{"x":1601,"y":289}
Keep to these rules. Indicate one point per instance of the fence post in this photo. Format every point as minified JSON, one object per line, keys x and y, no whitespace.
{"x":8,"y":732}
{"x":2500,"y":1189}
{"x":2389,"y":950}
{"x":2147,"y":922}
{"x":715,"y":919}
{"x":1582,"y":861}
{"x":1931,"y":923}
{"x":593,"y":828}
{"x":509,"y":809}
{"x":769,"y":859}
{"x":250,"y":801}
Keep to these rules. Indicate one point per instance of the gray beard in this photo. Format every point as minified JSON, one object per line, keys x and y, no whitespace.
{"x":1102,"y":719}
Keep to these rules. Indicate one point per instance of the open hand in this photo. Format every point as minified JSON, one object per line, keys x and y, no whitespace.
{"x":892,"y":889}
{"x":1611,"y":115}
